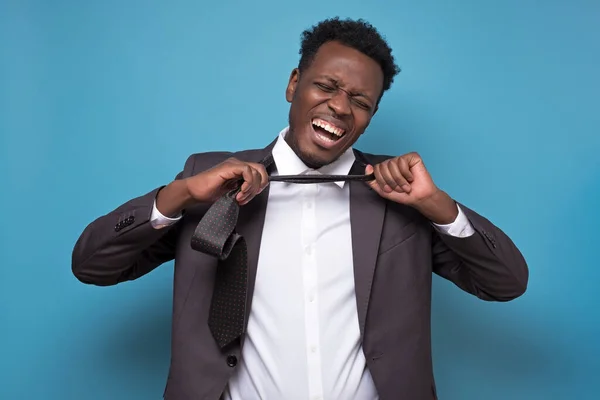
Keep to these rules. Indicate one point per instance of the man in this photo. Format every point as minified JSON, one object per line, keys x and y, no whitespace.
{"x":339,"y":274}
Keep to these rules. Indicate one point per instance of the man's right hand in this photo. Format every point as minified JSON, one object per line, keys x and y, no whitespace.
{"x":209,"y":185}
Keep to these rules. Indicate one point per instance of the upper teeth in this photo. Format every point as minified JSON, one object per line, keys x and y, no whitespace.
{"x":328,"y":127}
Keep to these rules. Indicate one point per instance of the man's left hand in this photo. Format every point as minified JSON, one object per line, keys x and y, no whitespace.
{"x":405,"y":180}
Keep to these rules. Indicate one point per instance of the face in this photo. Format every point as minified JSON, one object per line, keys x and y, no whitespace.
{"x":332,"y":103}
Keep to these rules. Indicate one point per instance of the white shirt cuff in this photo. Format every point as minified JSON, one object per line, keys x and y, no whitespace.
{"x":159,"y":221}
{"x":461,"y":227}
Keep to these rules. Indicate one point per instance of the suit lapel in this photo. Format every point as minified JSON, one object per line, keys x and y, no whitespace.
{"x":367,"y":211}
{"x":250,"y":224}
{"x":251,"y":220}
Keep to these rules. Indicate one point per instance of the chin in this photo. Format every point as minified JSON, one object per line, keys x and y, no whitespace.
{"x":314,"y":145}
{"x":313,"y":161}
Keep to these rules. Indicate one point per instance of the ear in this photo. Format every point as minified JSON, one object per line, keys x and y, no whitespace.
{"x":292,"y":84}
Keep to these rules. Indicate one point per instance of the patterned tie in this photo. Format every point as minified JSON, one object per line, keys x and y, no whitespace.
{"x":215,"y":235}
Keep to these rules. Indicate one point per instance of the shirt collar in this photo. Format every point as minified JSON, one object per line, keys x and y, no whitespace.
{"x":288,"y":163}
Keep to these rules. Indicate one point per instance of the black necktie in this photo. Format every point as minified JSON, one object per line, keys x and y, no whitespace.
{"x":216,"y":235}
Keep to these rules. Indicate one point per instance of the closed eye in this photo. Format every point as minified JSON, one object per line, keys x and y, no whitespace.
{"x":361,"y":104}
{"x":324,"y":87}
{"x":329,"y":89}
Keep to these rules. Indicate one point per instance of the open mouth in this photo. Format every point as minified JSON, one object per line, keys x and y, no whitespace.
{"x":326,"y":131}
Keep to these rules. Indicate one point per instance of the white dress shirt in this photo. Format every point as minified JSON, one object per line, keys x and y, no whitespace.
{"x":303,"y":338}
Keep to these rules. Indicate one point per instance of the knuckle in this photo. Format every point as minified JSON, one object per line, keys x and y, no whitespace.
{"x":259,"y":167}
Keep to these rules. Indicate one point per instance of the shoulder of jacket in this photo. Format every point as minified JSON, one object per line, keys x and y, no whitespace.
{"x":198,"y":162}
{"x":369,"y":158}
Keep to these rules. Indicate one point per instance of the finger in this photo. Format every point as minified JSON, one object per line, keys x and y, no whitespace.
{"x":256,"y":181}
{"x":380,"y":175}
{"x":264,"y":176}
{"x":413,"y":159}
{"x":248,"y":175}
{"x":254,"y":187}
{"x":405,"y":169}
{"x":401,"y":185}
{"x":232,"y":172}
{"x":244,"y":188}
{"x":389,"y":175}
{"x":374,"y":184}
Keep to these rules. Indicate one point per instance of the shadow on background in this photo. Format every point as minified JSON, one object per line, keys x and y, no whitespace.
{"x":497,"y":354}
{"x":131,"y":358}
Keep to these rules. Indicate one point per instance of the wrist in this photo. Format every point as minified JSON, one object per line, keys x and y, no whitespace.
{"x":174,"y":198}
{"x":439,"y":208}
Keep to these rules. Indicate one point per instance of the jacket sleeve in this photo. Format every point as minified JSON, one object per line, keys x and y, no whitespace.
{"x":486,"y":264}
{"x":122,"y":245}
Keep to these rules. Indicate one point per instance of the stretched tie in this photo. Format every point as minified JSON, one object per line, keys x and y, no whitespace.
{"x":215,"y":235}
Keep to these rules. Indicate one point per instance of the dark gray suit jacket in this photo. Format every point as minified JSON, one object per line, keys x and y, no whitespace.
{"x":395,"y":252}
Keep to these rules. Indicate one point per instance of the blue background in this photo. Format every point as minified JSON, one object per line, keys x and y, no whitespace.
{"x":103,"y":101}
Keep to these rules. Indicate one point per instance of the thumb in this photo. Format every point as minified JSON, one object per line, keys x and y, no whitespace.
{"x":373,"y":183}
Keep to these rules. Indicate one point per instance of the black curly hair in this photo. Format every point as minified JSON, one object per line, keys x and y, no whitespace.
{"x":357,"y":34}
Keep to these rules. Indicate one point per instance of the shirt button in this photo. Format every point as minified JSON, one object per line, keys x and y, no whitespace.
{"x":313,"y":349}
{"x":311,"y":298}
{"x":309,"y":250}
{"x":231,"y":361}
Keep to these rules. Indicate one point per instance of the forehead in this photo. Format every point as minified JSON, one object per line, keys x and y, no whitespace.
{"x":351,"y":68}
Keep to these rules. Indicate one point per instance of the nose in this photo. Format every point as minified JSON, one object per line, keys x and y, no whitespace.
{"x":339,"y":103}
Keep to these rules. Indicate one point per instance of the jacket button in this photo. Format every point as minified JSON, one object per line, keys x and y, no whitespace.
{"x":231,"y":360}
